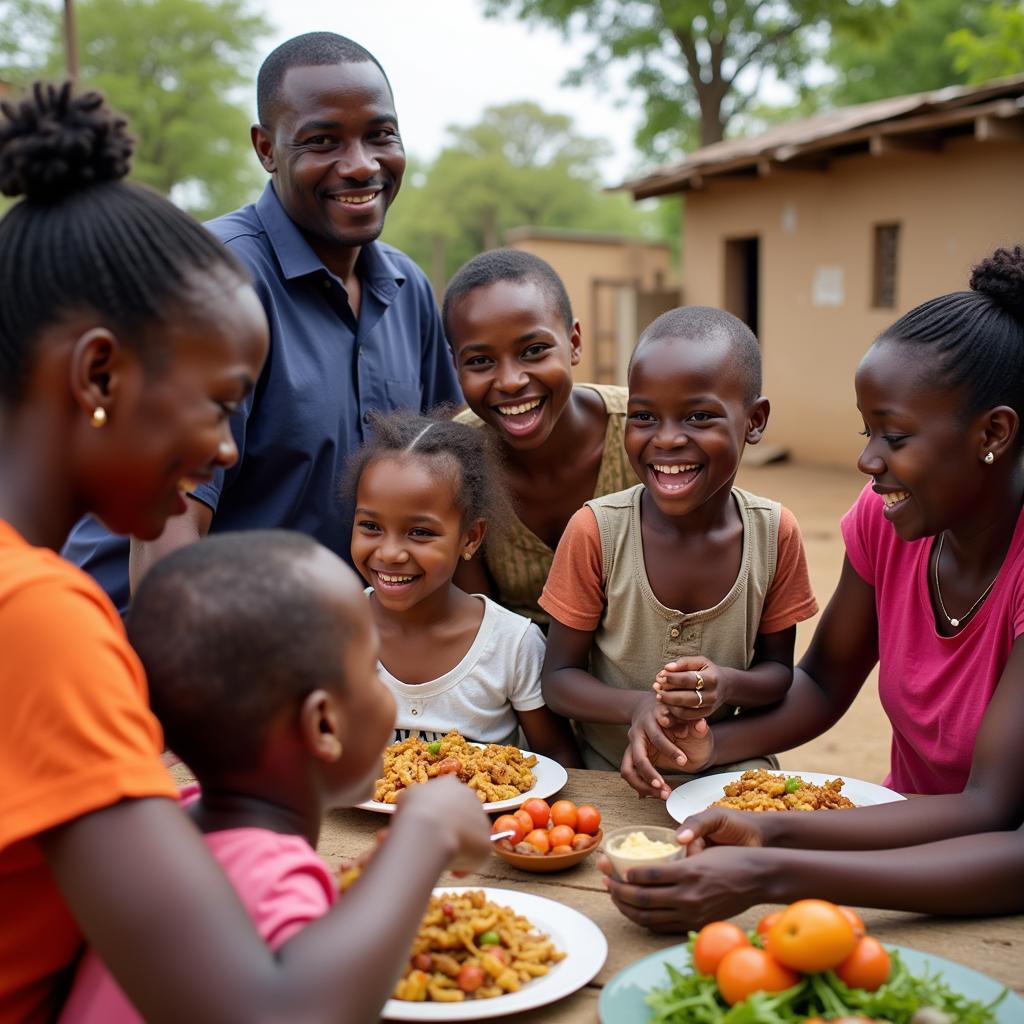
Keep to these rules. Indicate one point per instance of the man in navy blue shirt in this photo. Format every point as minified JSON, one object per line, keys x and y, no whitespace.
{"x":353,"y":323}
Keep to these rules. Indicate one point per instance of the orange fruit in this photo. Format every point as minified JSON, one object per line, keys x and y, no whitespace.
{"x":713,"y":942}
{"x":811,"y":936}
{"x":538,"y":839}
{"x":563,"y":812}
{"x":561,"y":835}
{"x":866,"y":967}
{"x":766,"y":922}
{"x":539,"y":810}
{"x":588,"y":819}
{"x":854,"y":918}
{"x":506,"y":823}
{"x":746,"y":970}
{"x":525,"y":821}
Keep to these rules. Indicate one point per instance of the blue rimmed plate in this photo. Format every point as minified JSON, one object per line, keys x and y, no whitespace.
{"x":622,"y":999}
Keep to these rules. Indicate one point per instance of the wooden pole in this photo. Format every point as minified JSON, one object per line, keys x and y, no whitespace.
{"x":70,"y":44}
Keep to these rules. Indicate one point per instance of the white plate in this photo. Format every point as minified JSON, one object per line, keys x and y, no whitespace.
{"x":549,"y":777}
{"x":699,"y":794}
{"x":571,"y":932}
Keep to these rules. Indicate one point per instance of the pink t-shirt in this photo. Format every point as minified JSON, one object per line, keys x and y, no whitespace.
{"x":935,"y":689}
{"x":282,"y":883}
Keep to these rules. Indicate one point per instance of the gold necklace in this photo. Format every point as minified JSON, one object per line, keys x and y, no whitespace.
{"x":955,"y":623}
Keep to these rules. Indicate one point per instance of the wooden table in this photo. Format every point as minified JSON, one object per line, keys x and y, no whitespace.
{"x":992,"y":945}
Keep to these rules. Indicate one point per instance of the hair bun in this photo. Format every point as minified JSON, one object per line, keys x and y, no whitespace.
{"x":1001,"y":278}
{"x":54,"y":143}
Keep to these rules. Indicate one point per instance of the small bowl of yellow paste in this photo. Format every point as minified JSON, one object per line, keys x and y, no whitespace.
{"x":641,"y":846}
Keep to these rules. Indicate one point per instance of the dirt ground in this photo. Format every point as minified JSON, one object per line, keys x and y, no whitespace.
{"x":859,"y":744}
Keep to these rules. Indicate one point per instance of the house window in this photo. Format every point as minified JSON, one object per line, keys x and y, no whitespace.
{"x":887,"y":249}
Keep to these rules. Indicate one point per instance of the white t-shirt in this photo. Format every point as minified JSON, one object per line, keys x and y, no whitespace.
{"x":499,"y":675}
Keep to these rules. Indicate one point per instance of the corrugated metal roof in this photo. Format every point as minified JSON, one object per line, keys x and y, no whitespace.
{"x":918,"y":112}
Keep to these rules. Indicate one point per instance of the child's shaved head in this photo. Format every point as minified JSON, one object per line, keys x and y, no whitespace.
{"x":706,"y":324}
{"x":232,"y":631}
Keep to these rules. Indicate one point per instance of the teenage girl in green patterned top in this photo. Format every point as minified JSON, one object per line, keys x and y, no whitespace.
{"x":515,"y":341}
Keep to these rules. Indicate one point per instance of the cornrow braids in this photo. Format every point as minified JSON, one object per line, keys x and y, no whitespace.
{"x":83,"y":239}
{"x":465,"y":455}
{"x":976,"y":337}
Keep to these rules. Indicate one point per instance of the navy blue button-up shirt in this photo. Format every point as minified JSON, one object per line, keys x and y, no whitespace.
{"x":325,"y":372}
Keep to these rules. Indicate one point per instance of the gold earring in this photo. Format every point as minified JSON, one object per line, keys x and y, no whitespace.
{"x":989,"y":459}
{"x":99,"y":417}
{"x":467,"y":555}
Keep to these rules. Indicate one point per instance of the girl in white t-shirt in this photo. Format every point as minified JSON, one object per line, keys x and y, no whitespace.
{"x":425,"y":489}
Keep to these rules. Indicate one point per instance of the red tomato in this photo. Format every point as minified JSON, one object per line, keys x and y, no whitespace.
{"x":811,"y":936}
{"x":766,"y":922}
{"x":866,"y":967}
{"x":854,"y":918}
{"x":581,"y":841}
{"x":471,"y":977}
{"x":561,"y":849}
{"x":713,"y":942}
{"x":561,"y":835}
{"x":746,"y":970}
{"x":563,"y":812}
{"x":538,"y":839}
{"x":525,"y":821}
{"x":539,"y":811}
{"x":588,"y":819}
{"x":508,"y":823}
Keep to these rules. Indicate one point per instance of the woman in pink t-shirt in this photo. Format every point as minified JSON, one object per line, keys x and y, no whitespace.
{"x":932,"y":589}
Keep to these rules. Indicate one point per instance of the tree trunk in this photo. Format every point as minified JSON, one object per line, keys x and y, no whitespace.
{"x":711,"y":95}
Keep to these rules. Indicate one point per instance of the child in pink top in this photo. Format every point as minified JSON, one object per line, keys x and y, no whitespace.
{"x":283,"y":885}
{"x":258,"y":646}
{"x":932,"y":590}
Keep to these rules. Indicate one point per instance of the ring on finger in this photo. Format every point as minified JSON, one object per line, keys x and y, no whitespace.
{"x":700,"y":698}
{"x":700,"y":681}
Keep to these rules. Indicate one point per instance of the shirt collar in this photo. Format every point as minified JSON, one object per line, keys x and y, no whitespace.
{"x":297,"y":258}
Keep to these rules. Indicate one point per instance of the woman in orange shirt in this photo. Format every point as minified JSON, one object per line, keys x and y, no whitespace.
{"x":127,"y":336}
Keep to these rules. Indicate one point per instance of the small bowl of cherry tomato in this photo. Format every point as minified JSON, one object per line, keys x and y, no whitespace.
{"x":548,"y":837}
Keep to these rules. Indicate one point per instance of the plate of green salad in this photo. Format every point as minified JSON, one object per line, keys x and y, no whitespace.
{"x":663,"y":989}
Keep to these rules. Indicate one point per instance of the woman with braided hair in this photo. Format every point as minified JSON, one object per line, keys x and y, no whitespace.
{"x":128,"y":335}
{"x":932,"y":591}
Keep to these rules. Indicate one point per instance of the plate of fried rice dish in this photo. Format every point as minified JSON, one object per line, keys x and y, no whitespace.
{"x":502,"y":777}
{"x":760,"y":790}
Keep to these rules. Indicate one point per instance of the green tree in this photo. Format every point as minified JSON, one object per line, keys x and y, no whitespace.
{"x":994,"y":48}
{"x":175,"y":68}
{"x":519,"y":165}
{"x":698,"y":64}
{"x":905,"y":51}
{"x":918,"y":45}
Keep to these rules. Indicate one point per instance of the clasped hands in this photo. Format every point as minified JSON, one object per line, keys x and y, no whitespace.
{"x":669,"y":727}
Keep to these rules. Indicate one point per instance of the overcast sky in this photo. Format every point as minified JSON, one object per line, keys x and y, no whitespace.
{"x":447,"y":63}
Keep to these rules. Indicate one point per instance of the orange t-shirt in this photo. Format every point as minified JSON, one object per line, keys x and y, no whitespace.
{"x":76,"y":735}
{"x":574,"y":593}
